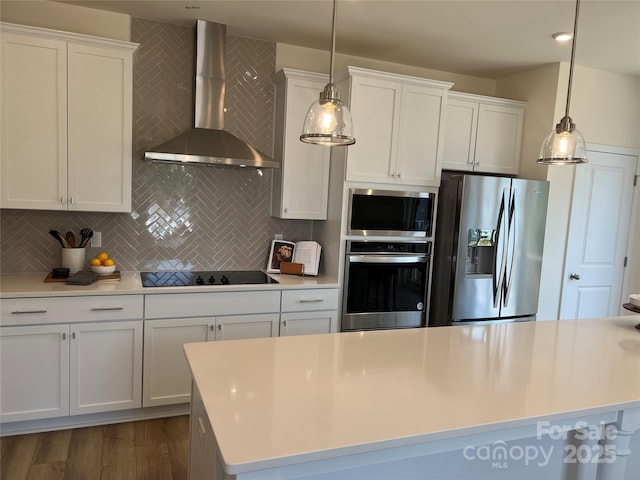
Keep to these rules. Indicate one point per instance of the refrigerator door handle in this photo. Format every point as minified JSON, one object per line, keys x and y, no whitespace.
{"x":511,"y":242}
{"x":498,"y":279}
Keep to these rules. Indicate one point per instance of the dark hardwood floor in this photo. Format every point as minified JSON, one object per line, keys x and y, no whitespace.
{"x":149,"y":449}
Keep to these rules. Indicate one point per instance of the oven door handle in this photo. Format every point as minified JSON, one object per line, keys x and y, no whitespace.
{"x":387,"y":258}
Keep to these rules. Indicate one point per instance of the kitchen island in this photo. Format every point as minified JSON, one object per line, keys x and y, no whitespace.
{"x":557,"y":399}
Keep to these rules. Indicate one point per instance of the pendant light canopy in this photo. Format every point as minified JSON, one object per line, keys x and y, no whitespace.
{"x":565,"y":144}
{"x":328,"y":121}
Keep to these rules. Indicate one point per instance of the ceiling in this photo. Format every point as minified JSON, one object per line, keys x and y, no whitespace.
{"x":486,"y":38}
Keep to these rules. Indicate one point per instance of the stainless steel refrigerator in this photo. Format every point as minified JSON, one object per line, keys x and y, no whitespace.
{"x":487,"y":249}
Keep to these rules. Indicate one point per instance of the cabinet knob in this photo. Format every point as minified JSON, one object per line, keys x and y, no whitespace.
{"x":220,"y":327}
{"x":211,"y":327}
{"x":62,"y":200}
{"x":70,"y":200}
{"x":574,"y":276}
{"x":64,"y":336}
{"x":284,"y":323}
{"x":73,"y":335}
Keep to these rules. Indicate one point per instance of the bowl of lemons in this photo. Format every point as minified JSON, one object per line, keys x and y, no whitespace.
{"x":102,"y":264}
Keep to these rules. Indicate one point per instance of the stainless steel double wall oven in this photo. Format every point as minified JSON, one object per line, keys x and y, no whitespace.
{"x":388,"y":257}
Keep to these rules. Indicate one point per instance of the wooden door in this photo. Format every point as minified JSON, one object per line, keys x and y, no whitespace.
{"x":598,"y":233}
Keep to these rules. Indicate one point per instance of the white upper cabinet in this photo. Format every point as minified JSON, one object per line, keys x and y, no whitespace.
{"x":66,"y":121}
{"x":397,"y":125}
{"x":300,"y":188}
{"x":482,"y":133}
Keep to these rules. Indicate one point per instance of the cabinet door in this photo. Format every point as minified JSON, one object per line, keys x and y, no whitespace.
{"x":100,"y":85}
{"x":375,"y":109}
{"x":237,"y":327}
{"x":301,"y":186}
{"x":307,"y":323}
{"x":105,"y":366}
{"x":418,"y":136}
{"x":34,"y":372}
{"x":499,"y":138}
{"x":33,"y":123}
{"x":166,"y":378}
{"x":459,"y":146}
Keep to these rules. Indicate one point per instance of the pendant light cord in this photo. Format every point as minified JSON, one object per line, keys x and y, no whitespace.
{"x":573,"y":53}
{"x":333,"y":40}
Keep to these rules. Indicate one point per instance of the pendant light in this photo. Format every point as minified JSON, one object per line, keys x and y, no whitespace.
{"x":328,"y":121}
{"x":565,"y":144}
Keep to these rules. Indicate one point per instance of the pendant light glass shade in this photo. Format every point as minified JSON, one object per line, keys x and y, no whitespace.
{"x":328,"y":120}
{"x":565,"y":144}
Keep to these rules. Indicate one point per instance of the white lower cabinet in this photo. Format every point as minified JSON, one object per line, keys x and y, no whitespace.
{"x":105,"y":365}
{"x":167,"y":379}
{"x":305,"y":312}
{"x":237,"y":327}
{"x":197,"y":317}
{"x":51,"y":371}
{"x":307,"y":323}
{"x":34,"y":372}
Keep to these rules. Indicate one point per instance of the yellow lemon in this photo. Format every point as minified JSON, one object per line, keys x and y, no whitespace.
{"x":102,"y":256}
{"x":96,"y":262}
{"x":109,"y":262}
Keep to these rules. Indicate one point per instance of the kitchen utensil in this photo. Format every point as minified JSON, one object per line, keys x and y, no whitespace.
{"x":58,"y":236}
{"x":71,"y":239}
{"x":86,"y":233}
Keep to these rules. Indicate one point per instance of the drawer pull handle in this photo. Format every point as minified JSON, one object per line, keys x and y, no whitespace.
{"x":311,"y":300}
{"x":106,"y":309}
{"x":64,"y":336}
{"x":25,"y":312}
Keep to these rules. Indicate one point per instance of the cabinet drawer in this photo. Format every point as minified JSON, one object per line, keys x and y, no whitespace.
{"x":41,"y":310}
{"x":208,"y":304}
{"x":309,"y":300}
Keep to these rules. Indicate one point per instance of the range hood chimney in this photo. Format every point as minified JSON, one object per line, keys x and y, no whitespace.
{"x":208,"y":143}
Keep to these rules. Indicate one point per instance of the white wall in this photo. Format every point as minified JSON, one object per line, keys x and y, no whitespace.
{"x":302,"y":58}
{"x":69,"y":18}
{"x":606,"y":107}
{"x":539,"y":88}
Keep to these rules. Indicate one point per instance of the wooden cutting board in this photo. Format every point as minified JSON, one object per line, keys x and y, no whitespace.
{"x":113,"y":276}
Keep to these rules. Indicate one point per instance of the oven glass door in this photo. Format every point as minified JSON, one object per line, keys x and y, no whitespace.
{"x":385,"y":291}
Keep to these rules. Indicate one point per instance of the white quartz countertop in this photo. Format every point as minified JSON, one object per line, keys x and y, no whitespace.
{"x":280,"y":401}
{"x":33,"y":285}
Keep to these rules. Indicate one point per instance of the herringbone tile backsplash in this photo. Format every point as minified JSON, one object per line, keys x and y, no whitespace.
{"x":184,"y":217}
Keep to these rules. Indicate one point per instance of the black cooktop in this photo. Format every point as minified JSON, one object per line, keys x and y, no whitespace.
{"x":196,"y":278}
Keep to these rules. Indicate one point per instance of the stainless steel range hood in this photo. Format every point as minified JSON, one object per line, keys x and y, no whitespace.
{"x":208,"y":143}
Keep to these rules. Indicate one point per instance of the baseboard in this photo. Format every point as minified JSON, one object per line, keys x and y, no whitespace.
{"x":93,"y":419}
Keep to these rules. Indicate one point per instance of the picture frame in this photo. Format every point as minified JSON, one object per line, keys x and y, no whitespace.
{"x":281,"y":251}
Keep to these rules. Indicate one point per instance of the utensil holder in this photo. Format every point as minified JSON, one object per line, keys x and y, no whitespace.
{"x":73,"y":259}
